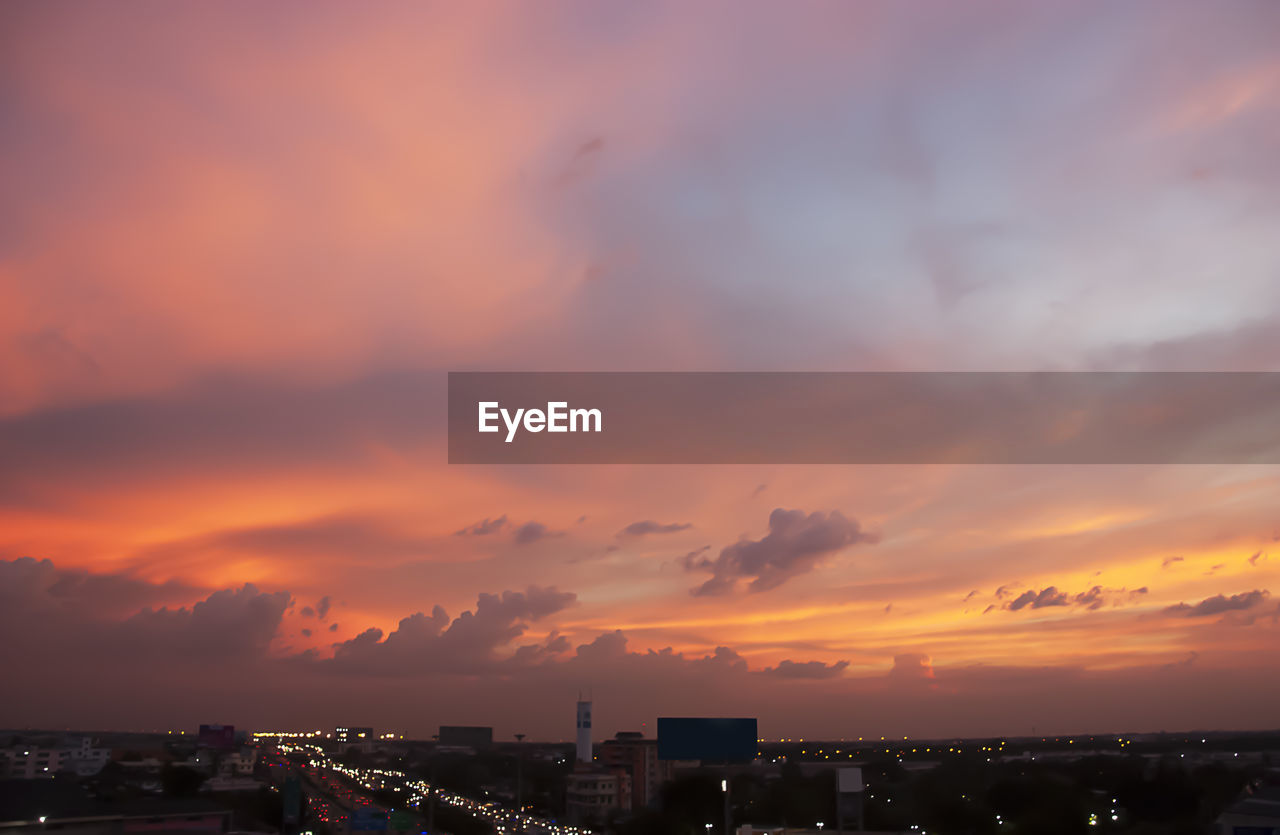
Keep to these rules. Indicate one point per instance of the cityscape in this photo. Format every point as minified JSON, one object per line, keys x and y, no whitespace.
{"x":700,"y":775}
{"x":639,"y":417}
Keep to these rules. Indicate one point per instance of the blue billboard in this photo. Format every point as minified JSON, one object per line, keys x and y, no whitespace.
{"x":718,"y":740}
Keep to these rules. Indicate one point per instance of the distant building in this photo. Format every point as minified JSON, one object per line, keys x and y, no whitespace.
{"x":465,"y":736}
{"x":1257,"y":813}
{"x":591,"y":793}
{"x":592,"y":790}
{"x":584,"y":731}
{"x":361,"y":739}
{"x":629,"y":751}
{"x":29,"y":762}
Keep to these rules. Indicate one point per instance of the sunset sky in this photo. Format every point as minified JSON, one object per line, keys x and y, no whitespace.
{"x":242,"y":244}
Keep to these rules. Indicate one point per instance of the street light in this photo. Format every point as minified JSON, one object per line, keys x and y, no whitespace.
{"x":724,"y":787}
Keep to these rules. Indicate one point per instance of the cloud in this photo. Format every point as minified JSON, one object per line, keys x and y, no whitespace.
{"x":526,"y":534}
{"x":796,"y":544}
{"x":343,"y":537}
{"x":1168,"y":561}
{"x":484,"y":527}
{"x":695,"y":561}
{"x":1094,"y":598}
{"x":806,"y":669}
{"x":648,"y":526}
{"x":1219,"y":604}
{"x":229,"y":622}
{"x":531,"y":532}
{"x":1038,"y":600}
{"x":468,"y":643}
{"x":320,"y":610}
{"x":39,"y":588}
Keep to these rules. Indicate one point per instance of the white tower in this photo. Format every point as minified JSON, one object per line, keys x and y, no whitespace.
{"x":584,"y":732}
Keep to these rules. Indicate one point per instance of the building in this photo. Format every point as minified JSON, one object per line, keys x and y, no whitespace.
{"x":29,"y":762}
{"x":1257,"y":813}
{"x":592,"y":793}
{"x":584,"y":732}
{"x":361,"y":739}
{"x":465,"y":736}
{"x":630,"y":752}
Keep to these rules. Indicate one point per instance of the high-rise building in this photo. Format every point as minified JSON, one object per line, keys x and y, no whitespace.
{"x":629,"y":751}
{"x":584,"y":731}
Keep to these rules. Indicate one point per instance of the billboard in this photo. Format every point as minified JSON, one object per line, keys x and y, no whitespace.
{"x":466,"y":736}
{"x":849,"y":780}
{"x":721,"y":740}
{"x":217,"y":736}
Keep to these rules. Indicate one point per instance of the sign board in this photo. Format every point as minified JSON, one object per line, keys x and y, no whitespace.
{"x":217,"y":736}
{"x":849,"y":780}
{"x":720,"y":740}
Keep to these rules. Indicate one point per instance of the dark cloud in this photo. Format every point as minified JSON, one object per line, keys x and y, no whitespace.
{"x":484,"y":527}
{"x":695,"y":560}
{"x":806,"y":669}
{"x":1168,"y":561}
{"x":796,"y":544}
{"x":1254,"y":559}
{"x":648,"y":526}
{"x":333,"y":627}
{"x":469,"y":643}
{"x":531,"y":532}
{"x":1038,"y":600}
{"x":306,"y":633}
{"x":308,"y":612}
{"x":40,"y":586}
{"x":231,"y":622}
{"x":1092,"y":599}
{"x":1218,"y":604}
{"x":322,"y":607}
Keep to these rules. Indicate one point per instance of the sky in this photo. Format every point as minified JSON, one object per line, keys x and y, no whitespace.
{"x":242,"y":244}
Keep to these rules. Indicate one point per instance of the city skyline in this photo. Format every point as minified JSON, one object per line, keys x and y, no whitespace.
{"x":241,"y":252}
